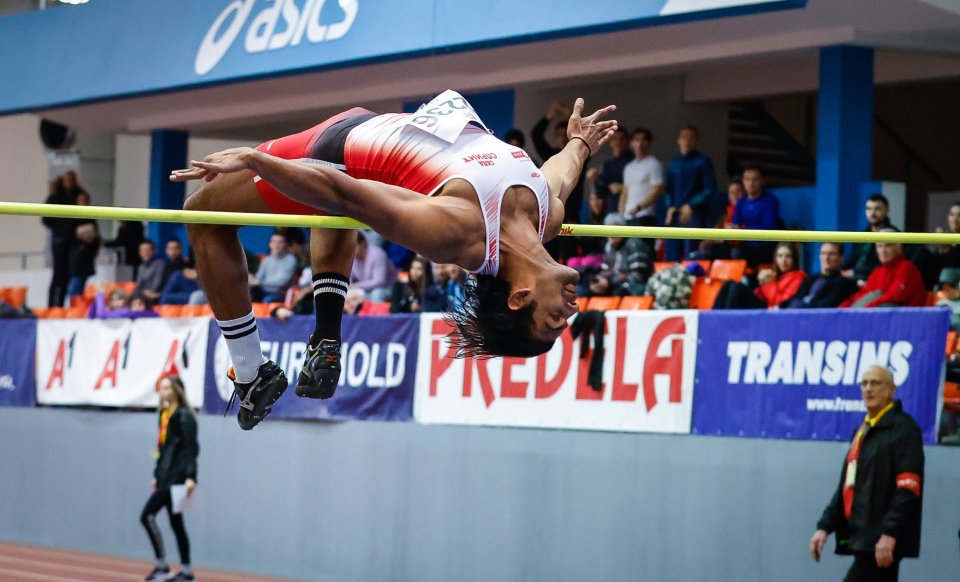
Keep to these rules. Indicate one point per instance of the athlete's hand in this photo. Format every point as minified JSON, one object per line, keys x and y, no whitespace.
{"x":191,"y":485}
{"x":591,"y":129}
{"x":153,"y":485}
{"x":224,"y":162}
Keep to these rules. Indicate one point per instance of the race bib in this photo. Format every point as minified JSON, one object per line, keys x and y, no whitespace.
{"x":445,"y":116}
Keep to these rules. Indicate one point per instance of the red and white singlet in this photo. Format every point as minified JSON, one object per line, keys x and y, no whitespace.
{"x":424,"y":150}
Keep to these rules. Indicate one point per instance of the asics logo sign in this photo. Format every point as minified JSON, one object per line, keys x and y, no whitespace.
{"x":283,"y":24}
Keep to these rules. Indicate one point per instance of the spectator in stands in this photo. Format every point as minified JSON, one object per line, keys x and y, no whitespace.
{"x":83,"y":250}
{"x":63,"y":190}
{"x":353,"y":301}
{"x":588,"y":257}
{"x":716,"y":249}
{"x":950,"y":254}
{"x":671,"y":288}
{"x":828,"y":288}
{"x":276,"y":272}
{"x":689,"y":184}
{"x":151,"y":271}
{"x":435,"y":296}
{"x":863,"y":258}
{"x":409,"y":296}
{"x":296,"y":245}
{"x":560,"y":248}
{"x":129,"y":236}
{"x":118,"y":305}
{"x":627,"y":264}
{"x":758,"y":210}
{"x":642,"y":184}
{"x":179,"y":287}
{"x":176,"y":262}
{"x":177,"y":451}
{"x":607,"y":182}
{"x":949,"y":294}
{"x":777,"y":285}
{"x":515,"y":138}
{"x":877,"y":504}
{"x":894,"y":282}
{"x":372,"y":270}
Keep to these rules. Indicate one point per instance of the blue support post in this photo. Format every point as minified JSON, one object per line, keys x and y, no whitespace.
{"x":844,"y":136}
{"x":168,"y":151}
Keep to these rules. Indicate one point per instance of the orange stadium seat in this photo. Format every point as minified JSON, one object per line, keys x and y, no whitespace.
{"x":196,"y":311}
{"x":168,"y":310}
{"x":261,"y":310}
{"x":14,"y":296}
{"x":951,"y":396}
{"x":951,"y":342}
{"x":636,"y":302}
{"x":704,"y":292}
{"x":604,"y":303}
{"x":661,"y":266}
{"x":582,"y":302}
{"x":374,"y":308}
{"x":728,"y":269}
{"x":79,"y":312}
{"x":55,"y":313}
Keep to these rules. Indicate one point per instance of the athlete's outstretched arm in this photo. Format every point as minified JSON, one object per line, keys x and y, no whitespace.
{"x":586,"y":135}
{"x":437,"y":228}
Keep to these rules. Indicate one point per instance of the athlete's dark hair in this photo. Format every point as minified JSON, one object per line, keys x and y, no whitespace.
{"x":486,"y":327}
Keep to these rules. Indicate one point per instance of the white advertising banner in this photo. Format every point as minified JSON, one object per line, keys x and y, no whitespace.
{"x":118,"y":362}
{"x":646,"y":383}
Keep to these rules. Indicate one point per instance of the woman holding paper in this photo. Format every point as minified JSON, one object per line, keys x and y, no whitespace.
{"x":175,"y":476}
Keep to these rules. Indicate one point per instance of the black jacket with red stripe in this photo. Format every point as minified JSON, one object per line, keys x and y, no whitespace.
{"x":888,"y":490}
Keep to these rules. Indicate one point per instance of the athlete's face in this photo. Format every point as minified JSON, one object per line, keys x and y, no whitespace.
{"x":555,"y":295}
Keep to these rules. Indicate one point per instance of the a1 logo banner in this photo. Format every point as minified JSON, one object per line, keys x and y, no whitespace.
{"x":646,"y":382}
{"x":118,"y":362}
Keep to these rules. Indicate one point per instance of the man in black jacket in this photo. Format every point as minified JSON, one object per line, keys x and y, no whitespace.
{"x":876,"y":510}
{"x":828,"y":288}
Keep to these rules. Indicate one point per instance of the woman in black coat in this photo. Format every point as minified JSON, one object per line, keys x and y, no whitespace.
{"x":177,"y":450}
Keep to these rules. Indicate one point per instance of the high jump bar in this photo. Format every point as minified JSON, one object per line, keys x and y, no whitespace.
{"x":336,"y":222}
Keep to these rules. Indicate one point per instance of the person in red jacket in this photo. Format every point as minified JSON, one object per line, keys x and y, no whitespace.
{"x":777,"y":285}
{"x":895,"y":282}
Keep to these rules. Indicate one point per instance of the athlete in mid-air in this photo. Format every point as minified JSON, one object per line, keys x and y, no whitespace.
{"x":435,"y":181}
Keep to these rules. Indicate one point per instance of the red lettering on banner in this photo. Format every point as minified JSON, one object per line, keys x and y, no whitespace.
{"x":621,"y":390}
{"x":485,"y":386}
{"x":110,"y":367}
{"x":438,"y":363}
{"x":58,"y":365}
{"x":509,"y":388}
{"x":671,"y":365}
{"x":547,"y":388}
{"x":170,"y":366}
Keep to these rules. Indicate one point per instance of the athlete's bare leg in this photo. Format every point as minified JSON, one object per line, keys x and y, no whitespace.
{"x":221,"y":264}
{"x":331,"y":256}
{"x":222,"y":268}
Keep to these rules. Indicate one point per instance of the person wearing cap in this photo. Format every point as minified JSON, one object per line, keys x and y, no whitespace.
{"x":877,"y":505}
{"x":627,"y":264}
{"x":895,"y":282}
{"x":948,"y":294}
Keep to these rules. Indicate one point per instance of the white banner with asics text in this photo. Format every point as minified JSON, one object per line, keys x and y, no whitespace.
{"x":646,"y":383}
{"x":118,"y":362}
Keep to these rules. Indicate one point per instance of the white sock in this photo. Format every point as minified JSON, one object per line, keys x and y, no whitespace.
{"x":243,"y":343}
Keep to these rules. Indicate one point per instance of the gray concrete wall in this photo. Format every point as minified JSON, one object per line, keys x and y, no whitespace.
{"x":379,"y":501}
